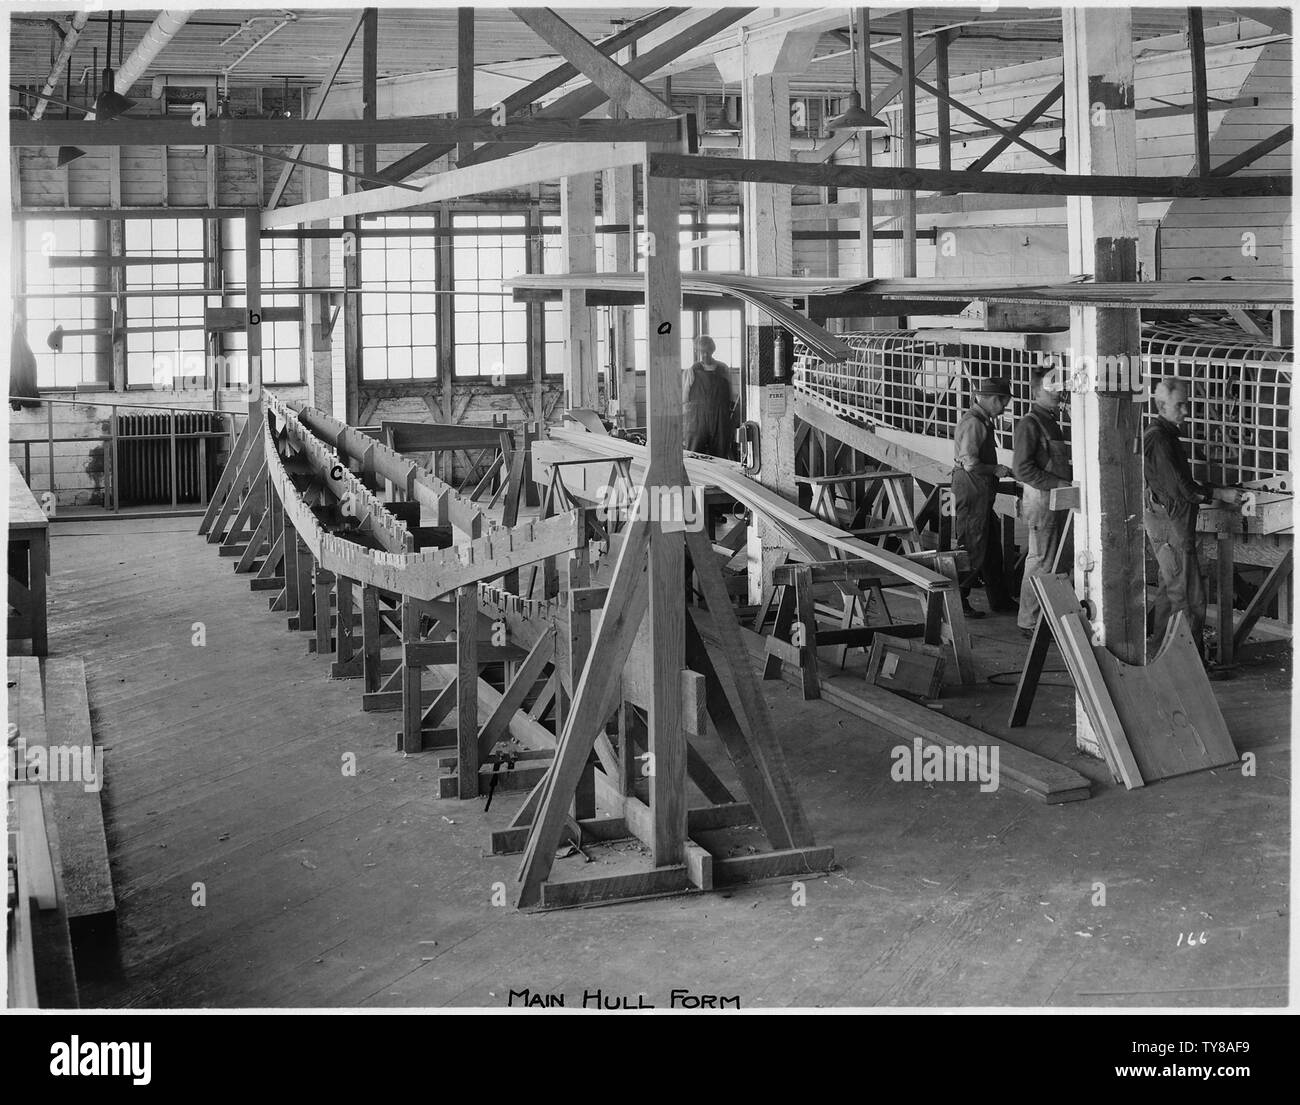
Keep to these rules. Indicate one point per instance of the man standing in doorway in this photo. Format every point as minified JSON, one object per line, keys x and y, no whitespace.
{"x":706,"y":403}
{"x":974,"y":488}
{"x":1041,"y":462}
{"x":1173,"y":500}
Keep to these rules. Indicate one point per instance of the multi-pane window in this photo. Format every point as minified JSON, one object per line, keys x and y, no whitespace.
{"x":491,"y":328}
{"x":398,"y":305}
{"x":165,"y":341}
{"x":281,"y":341}
{"x":552,"y":313}
{"x":49,"y":303}
{"x":722,"y":253}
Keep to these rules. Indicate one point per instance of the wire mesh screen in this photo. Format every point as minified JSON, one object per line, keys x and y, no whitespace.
{"x":1239,"y":389}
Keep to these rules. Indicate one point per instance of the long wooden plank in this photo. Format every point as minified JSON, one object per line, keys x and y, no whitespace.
{"x":532,"y":167}
{"x":1086,"y":672}
{"x":1020,"y":769}
{"x":727,"y":477}
{"x":758,"y":171}
{"x":83,"y":847}
{"x":130,"y":131}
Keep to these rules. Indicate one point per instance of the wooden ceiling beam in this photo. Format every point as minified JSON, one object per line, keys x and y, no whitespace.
{"x":530,"y":93}
{"x":128,"y":130}
{"x":694,"y":166}
{"x":528,"y":167}
{"x":578,"y":103}
{"x":619,"y":86}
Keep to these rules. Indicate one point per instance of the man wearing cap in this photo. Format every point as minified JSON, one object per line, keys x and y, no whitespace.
{"x":1172,"y":502}
{"x":975,"y":478}
{"x":1041,"y":462}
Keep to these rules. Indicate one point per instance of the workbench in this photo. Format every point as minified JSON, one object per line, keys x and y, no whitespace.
{"x":29,"y":564}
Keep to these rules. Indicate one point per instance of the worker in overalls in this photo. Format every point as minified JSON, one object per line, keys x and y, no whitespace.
{"x":706,"y":403}
{"x":975,"y":478}
{"x":1172,"y":501}
{"x":1041,"y":462}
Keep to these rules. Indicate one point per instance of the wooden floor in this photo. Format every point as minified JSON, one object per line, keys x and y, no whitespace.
{"x":224,"y":768}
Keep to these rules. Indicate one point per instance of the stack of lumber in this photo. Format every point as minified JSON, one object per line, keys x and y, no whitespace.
{"x":63,"y":876}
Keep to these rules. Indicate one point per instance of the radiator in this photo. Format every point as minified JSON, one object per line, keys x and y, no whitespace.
{"x":144,"y":459}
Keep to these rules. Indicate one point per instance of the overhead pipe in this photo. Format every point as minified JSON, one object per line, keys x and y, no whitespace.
{"x":75,"y":27}
{"x":162,"y":31}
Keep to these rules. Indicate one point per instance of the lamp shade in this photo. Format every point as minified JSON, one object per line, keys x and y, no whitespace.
{"x":725,"y":121}
{"x":857,"y":118}
{"x":55,"y":339}
{"x":69,"y":154}
{"x":110,"y":104}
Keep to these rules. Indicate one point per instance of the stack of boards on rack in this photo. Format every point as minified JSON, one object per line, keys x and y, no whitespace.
{"x":1153,"y":722}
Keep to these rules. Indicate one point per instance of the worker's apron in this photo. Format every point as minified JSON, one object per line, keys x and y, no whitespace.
{"x":1035,"y":505}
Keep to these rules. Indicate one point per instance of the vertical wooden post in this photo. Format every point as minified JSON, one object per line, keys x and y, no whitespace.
{"x":866,"y":197}
{"x":291,"y":575}
{"x":371,"y":628}
{"x":1200,"y":94}
{"x":578,"y":574}
{"x":464,"y":73}
{"x":763,"y":72}
{"x":343,"y":619}
{"x":944,"y":121}
{"x":578,"y":228}
{"x":908,"y":76}
{"x":306,"y":586}
{"x":1101,"y":138}
{"x":412,"y":681}
{"x":253,"y":305}
{"x":665,"y":477}
{"x":467,"y":690}
{"x":369,"y":85}
{"x":324,"y":582}
{"x":620,"y":254}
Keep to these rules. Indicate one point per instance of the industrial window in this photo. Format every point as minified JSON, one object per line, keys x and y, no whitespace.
{"x":491,"y":328}
{"x":722,"y":253}
{"x":165,"y":340}
{"x":281,"y":341}
{"x":552,"y":313}
{"x":52,"y":301}
{"x":398,"y":305}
